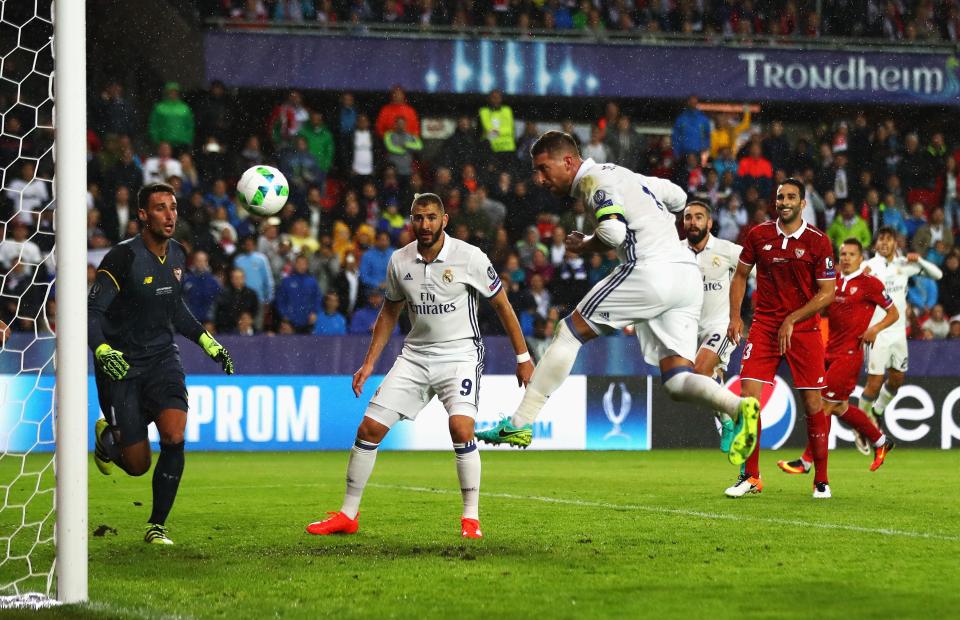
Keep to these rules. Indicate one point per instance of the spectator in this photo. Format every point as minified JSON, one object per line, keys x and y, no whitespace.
{"x":21,"y":250}
{"x":575,"y":218}
{"x":171,"y":119}
{"x":918,"y":218}
{"x":400,"y":147}
{"x":320,"y":144}
{"x":392,"y":222}
{"x":362,"y":321}
{"x":912,"y":168}
{"x":346,"y":124}
{"x":936,"y":326}
{"x":347,"y":284}
{"x":691,"y":131}
{"x":464,"y":146}
{"x":557,"y":250}
{"x":256,"y":271}
{"x":161,"y":166}
{"x":730,"y":219}
{"x":286,"y":120}
{"x":922,"y":293}
{"x":596,"y":149}
{"x":848,"y":224}
{"x":755,"y":170}
{"x":930,"y":233}
{"x":775,"y":146}
{"x":301,"y":239}
{"x":245,"y":325}
{"x":301,"y":169}
{"x":373,"y":263}
{"x":362,"y":159}
{"x":200,"y":288}
{"x":476,"y":220}
{"x":216,"y":115}
{"x":542,"y":267}
{"x":949,"y":284}
{"x":624,"y":145}
{"x":540,"y":295}
{"x":113,"y":113}
{"x":235,"y":298}
{"x":891,"y":215}
{"x":117,"y":213}
{"x":28,"y":193}
{"x":298,"y":298}
{"x":496,"y":125}
{"x":955,"y":320}
{"x":727,"y":132}
{"x":951,"y":200}
{"x":397,"y":108}
{"x":527,"y":246}
{"x":330,"y":322}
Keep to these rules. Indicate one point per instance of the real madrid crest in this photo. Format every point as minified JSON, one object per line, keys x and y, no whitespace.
{"x":177,"y":272}
{"x":448,"y":275}
{"x":716,"y":261}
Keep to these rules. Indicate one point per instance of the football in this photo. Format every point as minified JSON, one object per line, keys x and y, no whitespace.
{"x":263,"y":190}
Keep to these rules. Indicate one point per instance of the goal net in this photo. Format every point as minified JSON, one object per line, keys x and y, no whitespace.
{"x":29,"y":461}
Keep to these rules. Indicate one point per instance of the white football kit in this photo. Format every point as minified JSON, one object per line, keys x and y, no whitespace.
{"x":657,"y":287}
{"x":443,"y":353}
{"x":718,"y":262}
{"x":890,"y":348}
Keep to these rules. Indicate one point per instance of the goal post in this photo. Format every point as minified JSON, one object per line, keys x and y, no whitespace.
{"x":70,"y":189}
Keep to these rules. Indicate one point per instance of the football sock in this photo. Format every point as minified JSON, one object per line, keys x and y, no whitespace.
{"x":468,"y":471}
{"x":866,"y":403}
{"x":855,"y":417}
{"x":807,"y":456}
{"x":684,"y":385}
{"x":882,"y":400}
{"x":363,"y":456}
{"x":818,"y":430}
{"x":752,"y":466}
{"x":166,"y":480}
{"x":550,"y":373}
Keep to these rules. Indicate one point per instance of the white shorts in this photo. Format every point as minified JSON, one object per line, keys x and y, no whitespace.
{"x":889,"y":351}
{"x":662,"y":300}
{"x":414,"y":381}
{"x":714,"y":337}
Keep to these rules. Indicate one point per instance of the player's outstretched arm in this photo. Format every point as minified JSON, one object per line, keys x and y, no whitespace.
{"x":823,"y":298}
{"x":738,"y":288}
{"x":384,"y":326}
{"x":508,"y":318}
{"x":189,"y":327}
{"x":925,"y":266}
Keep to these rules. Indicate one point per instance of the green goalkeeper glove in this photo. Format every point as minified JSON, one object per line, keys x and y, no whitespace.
{"x":217,"y":352}
{"x":111,"y":362}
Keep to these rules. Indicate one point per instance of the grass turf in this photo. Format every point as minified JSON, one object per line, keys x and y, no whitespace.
{"x":567,"y":534}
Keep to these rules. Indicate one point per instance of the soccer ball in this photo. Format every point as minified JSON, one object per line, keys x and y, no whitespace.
{"x":263,"y":190}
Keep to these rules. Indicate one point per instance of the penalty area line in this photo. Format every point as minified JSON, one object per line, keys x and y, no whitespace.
{"x":684,"y":513}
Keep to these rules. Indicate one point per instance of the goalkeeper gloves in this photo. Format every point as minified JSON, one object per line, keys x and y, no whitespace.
{"x":217,"y":352}
{"x":111,"y":362}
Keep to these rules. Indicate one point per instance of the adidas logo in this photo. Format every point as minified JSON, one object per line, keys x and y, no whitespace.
{"x":605,"y":316}
{"x":408,"y":277}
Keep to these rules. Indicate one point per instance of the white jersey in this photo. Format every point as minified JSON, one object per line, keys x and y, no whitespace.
{"x":645,"y":204}
{"x":895,"y":275}
{"x":718,"y":261}
{"x":442,"y":297}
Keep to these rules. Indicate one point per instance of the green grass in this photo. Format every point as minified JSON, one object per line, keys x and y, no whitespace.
{"x":635,"y":535}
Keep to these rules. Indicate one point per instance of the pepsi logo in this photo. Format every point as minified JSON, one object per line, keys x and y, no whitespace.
{"x":778,"y":411}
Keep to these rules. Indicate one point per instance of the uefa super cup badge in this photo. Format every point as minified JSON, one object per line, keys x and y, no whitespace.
{"x":448,"y":276}
{"x":617,"y":418}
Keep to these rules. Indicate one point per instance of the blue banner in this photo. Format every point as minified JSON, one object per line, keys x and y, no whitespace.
{"x":576,"y":69}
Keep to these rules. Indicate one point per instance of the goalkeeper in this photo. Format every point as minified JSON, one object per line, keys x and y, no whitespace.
{"x":134,"y":308}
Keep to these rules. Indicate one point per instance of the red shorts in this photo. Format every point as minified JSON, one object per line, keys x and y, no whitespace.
{"x":842,"y":373}
{"x":761,"y":356}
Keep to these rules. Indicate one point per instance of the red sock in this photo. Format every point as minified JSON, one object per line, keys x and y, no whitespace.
{"x":858,"y":419}
{"x":818,"y":430}
{"x":807,"y":456}
{"x":752,"y":466}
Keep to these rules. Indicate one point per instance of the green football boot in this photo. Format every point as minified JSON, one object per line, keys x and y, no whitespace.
{"x":505,"y":432}
{"x":99,"y":452}
{"x":156,"y":535}
{"x":726,"y":434}
{"x":745,"y":431}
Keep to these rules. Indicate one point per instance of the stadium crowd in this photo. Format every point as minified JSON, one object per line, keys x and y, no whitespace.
{"x":891,"y":20}
{"x":319,"y":266}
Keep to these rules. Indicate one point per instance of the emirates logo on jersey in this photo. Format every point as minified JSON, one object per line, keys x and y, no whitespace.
{"x":177,"y":272}
{"x":448,"y":276}
{"x":799,"y":252}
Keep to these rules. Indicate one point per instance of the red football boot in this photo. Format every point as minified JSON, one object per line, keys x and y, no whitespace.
{"x":338,"y":523}
{"x":470,"y":528}
{"x":879,"y":454}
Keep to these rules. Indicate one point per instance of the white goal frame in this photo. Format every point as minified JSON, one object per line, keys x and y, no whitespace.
{"x":70,"y":190}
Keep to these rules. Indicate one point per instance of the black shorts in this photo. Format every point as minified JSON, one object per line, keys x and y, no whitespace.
{"x":133,"y":403}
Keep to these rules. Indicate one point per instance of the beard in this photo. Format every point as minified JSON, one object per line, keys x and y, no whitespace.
{"x":696,"y":235}
{"x":433,"y":239}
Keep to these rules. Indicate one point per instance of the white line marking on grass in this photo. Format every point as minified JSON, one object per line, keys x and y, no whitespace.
{"x":131,"y":612}
{"x":685,"y":513}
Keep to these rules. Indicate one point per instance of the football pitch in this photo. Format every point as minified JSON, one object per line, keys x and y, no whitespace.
{"x":567,"y":535}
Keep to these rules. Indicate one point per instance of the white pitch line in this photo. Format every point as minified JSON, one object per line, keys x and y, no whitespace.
{"x":685,"y":513}
{"x":131,"y":612}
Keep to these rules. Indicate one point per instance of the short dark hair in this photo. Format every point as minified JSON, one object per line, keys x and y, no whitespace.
{"x":856,"y":242}
{"x":553,"y":141}
{"x":885,"y":231}
{"x":700,"y":203}
{"x":801,"y":188}
{"x":427,"y":199}
{"x":143,"y":196}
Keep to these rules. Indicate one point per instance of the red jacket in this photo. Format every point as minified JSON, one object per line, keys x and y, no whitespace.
{"x":391,"y":112}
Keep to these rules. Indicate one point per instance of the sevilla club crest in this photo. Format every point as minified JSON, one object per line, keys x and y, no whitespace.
{"x":799,"y":252}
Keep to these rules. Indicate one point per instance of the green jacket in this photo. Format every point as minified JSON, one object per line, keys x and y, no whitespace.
{"x":497,"y":127}
{"x":320,"y":143}
{"x":840,"y":232}
{"x":172,"y":121}
{"x":399,"y":150}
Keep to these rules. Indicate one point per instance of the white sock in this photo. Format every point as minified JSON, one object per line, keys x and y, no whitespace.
{"x":468,"y":471}
{"x":551,"y":372}
{"x":881,"y":441}
{"x":362,"y":458}
{"x":689,"y":387}
{"x":866,"y":404}
{"x":882,"y":400}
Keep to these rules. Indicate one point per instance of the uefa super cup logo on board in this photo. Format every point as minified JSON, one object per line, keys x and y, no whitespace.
{"x":778,"y":411}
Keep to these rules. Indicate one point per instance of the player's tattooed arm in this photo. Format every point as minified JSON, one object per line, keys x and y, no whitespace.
{"x":508,"y":318}
{"x":384,"y":326}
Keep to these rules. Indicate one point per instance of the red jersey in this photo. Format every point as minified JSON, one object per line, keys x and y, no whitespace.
{"x":850,"y":314}
{"x":788,"y":267}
